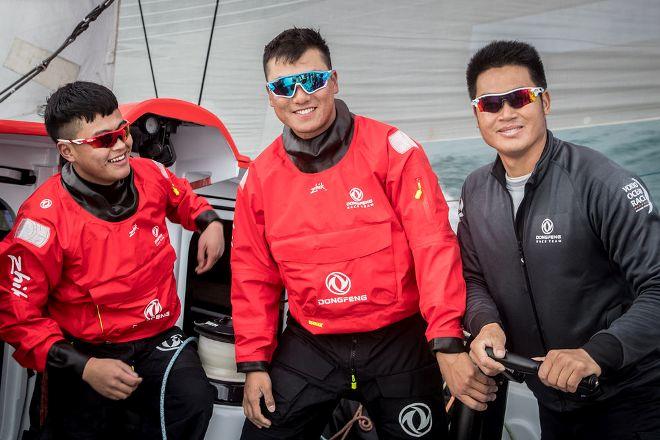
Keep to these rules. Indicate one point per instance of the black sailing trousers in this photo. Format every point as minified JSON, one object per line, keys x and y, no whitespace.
{"x":631,"y":414}
{"x":77,"y":412}
{"x":390,"y":370}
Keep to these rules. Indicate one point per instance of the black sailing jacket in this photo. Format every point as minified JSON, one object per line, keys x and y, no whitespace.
{"x":578,"y":266}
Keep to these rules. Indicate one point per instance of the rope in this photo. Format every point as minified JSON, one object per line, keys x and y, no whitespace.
{"x":43,"y":65}
{"x":164,"y":384}
{"x":208,"y":52}
{"x":364,"y":423}
{"x":146,"y":41}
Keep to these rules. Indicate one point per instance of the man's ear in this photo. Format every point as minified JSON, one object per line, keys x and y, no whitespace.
{"x":66,"y":151}
{"x":335,"y":82}
{"x":545,"y":102}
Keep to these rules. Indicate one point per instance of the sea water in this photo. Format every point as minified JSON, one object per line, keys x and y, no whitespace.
{"x":635,"y":146}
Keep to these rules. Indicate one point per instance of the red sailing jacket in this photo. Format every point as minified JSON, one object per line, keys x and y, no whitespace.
{"x":64,"y":270}
{"x":358,"y":246}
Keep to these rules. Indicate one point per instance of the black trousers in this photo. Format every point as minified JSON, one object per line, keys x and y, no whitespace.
{"x":76,"y":411}
{"x":396,"y":377}
{"x":633,"y":414}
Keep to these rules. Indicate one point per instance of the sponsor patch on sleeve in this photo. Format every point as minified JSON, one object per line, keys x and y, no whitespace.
{"x":33,"y":232}
{"x":638,"y":196}
{"x":401,"y":142}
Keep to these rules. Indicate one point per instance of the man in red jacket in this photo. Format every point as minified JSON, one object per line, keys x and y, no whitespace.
{"x":91,"y":296}
{"x":346,"y":214}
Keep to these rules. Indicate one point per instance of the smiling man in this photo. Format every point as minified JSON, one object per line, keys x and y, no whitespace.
{"x":345,"y":213}
{"x":90,"y":296}
{"x":561,"y":259}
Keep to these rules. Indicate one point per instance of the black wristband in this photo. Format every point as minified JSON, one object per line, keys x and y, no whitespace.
{"x":248,"y":367}
{"x":63,"y":355}
{"x":447,"y":345}
{"x":205,"y":219}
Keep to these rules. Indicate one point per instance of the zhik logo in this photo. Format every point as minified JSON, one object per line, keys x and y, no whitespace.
{"x":415,"y":419}
{"x":17,"y":287}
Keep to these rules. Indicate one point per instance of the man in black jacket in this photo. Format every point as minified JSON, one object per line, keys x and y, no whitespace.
{"x":561,"y":258}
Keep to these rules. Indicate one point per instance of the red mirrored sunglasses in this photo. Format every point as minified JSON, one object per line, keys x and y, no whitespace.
{"x":103,"y":140}
{"x":518,"y":98}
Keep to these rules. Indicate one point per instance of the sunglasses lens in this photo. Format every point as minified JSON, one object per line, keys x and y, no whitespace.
{"x":103,"y":141}
{"x":283,"y":87}
{"x":490,"y":104}
{"x":519,"y":98}
{"x":313,"y":81}
{"x":107,"y":140}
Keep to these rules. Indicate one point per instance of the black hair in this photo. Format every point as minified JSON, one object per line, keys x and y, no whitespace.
{"x":292,"y":43}
{"x":505,"y":53}
{"x":75,"y":102}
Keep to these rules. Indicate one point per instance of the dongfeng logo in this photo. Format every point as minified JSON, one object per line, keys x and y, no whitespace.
{"x":46,"y":203}
{"x":356,"y":194}
{"x":338,"y":283}
{"x":357,"y":201}
{"x":547,"y":236}
{"x":547,"y":227}
{"x":159,"y":237}
{"x":415,"y":419}
{"x":171,"y":343}
{"x":154,"y":310}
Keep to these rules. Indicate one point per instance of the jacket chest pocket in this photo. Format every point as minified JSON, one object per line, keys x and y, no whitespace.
{"x":328,"y":275}
{"x":146,"y":294}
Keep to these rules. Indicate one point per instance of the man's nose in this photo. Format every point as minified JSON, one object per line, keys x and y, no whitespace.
{"x":300,"y":95}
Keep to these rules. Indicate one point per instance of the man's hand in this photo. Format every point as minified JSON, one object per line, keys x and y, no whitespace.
{"x":257,"y":384}
{"x":111,"y":378}
{"x":491,"y":335}
{"x":564,"y":369}
{"x":465,"y":381}
{"x":210,"y":247}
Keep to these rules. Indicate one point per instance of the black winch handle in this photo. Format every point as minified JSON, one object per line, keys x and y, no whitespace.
{"x":519,"y":364}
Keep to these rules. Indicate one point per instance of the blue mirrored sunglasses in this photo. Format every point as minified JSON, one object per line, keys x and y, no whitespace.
{"x":310,"y":82}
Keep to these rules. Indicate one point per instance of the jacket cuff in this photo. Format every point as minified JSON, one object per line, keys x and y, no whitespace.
{"x":447,"y":345}
{"x":63,"y":355}
{"x":248,"y":367}
{"x":478,"y":321}
{"x":606,"y":350}
{"x":205,"y":219}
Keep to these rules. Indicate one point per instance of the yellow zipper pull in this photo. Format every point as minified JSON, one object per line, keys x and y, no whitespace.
{"x":419,"y":192}
{"x":98,"y":313}
{"x":175,"y":190}
{"x":353,"y":382}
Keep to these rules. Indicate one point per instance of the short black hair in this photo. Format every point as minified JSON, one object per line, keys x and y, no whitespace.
{"x":505,"y":53}
{"x":74,"y":102}
{"x":292,"y":43}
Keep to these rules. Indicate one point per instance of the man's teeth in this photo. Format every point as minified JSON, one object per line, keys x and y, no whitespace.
{"x":118,"y":159}
{"x":510,"y":130}
{"x":305,"y":111}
